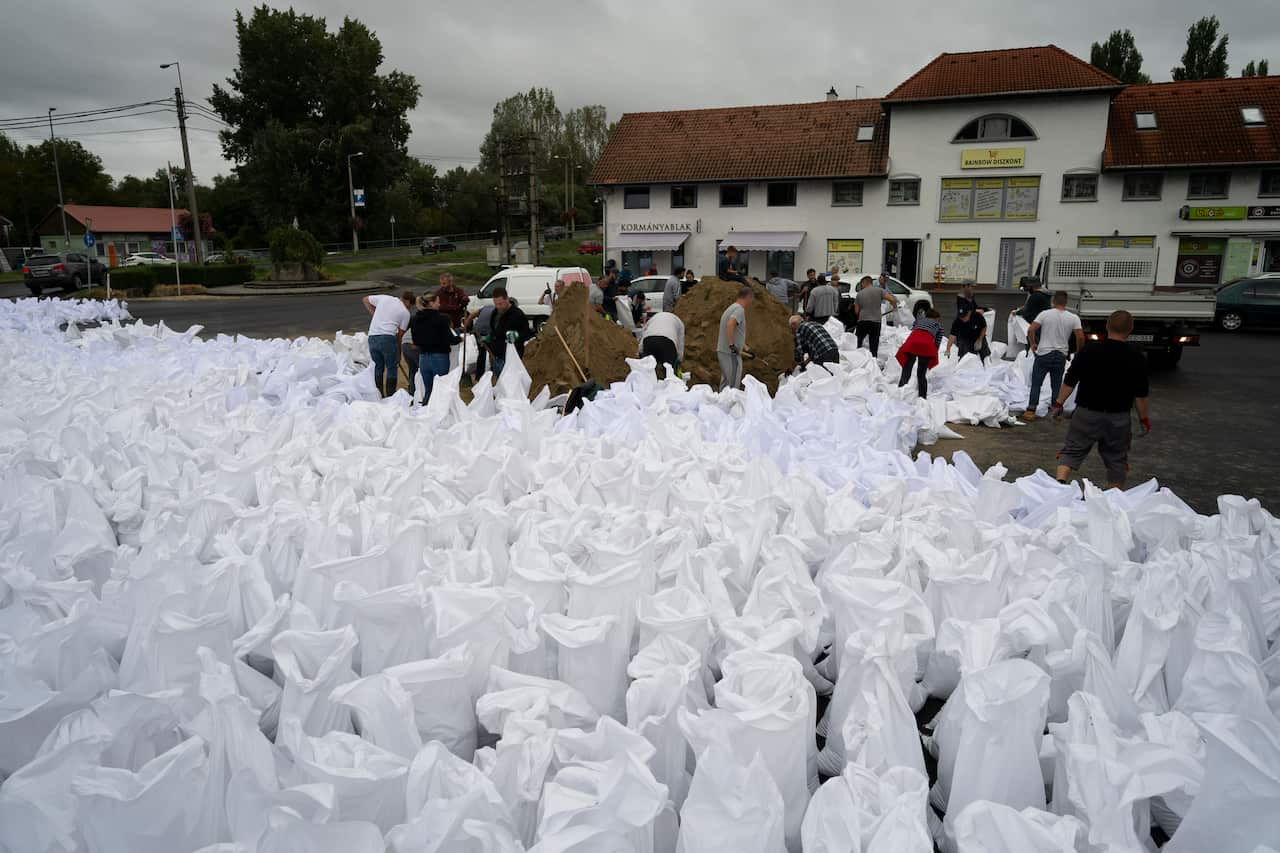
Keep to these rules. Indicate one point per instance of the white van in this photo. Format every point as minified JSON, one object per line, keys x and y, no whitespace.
{"x":525,"y":284}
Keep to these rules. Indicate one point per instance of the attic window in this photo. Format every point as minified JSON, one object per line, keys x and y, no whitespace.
{"x":1145,"y":121}
{"x":867,"y":131}
{"x":1252,"y":116}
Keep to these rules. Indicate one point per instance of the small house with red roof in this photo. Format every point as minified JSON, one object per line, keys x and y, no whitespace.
{"x":117,"y":230}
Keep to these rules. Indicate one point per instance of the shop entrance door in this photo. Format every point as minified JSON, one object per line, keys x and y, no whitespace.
{"x":901,"y":259}
{"x":1271,"y":256}
{"x":1017,"y":258}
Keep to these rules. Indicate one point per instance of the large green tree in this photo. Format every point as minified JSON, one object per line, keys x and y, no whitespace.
{"x":29,"y":187}
{"x":1119,"y":57}
{"x":526,"y":121}
{"x":1256,"y":69}
{"x":1206,"y":55}
{"x":302,"y":99}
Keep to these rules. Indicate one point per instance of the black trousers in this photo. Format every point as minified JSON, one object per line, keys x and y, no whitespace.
{"x":662,"y":349}
{"x":922,"y":370}
{"x":868,"y":330}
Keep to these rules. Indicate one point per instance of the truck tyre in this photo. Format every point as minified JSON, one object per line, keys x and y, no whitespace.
{"x":1231,"y":321}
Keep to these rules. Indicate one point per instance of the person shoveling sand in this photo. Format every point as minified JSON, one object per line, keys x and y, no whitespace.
{"x":768,"y":333}
{"x":599,"y":346}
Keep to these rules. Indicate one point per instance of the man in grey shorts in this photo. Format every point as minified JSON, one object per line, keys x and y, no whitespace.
{"x":733,"y":339}
{"x":1112,"y":379}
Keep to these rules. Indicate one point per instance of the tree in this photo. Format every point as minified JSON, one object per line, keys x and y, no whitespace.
{"x":1255,"y":69}
{"x":29,"y":185}
{"x":1119,"y":57}
{"x":1206,"y":54}
{"x":302,"y":99}
{"x":518,"y":119}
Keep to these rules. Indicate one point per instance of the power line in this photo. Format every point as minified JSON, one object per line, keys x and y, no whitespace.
{"x":77,"y":121}
{"x":62,"y":117}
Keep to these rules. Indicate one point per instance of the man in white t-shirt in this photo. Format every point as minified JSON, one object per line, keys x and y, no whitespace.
{"x":386,"y":329}
{"x":1049,"y":339}
{"x":663,"y":338}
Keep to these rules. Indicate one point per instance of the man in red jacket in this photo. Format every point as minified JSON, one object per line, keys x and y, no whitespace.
{"x":453,"y":302}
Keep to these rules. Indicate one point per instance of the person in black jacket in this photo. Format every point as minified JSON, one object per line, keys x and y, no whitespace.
{"x":433,"y":335}
{"x":510,"y":326}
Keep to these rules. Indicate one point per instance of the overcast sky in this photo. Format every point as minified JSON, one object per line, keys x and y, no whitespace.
{"x":627,"y":55}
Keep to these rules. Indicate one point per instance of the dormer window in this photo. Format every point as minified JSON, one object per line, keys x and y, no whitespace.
{"x":866,"y":132}
{"x":1252,"y":116}
{"x":1145,"y":121}
{"x":998,"y":127}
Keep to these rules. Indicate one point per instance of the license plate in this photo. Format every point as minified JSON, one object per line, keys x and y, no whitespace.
{"x":39,"y":273}
{"x":1142,"y":339}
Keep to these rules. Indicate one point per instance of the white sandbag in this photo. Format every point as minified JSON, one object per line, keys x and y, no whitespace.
{"x":492,"y":622}
{"x":962,"y":646}
{"x":667,"y":677}
{"x":511,"y":695}
{"x":520,"y":765}
{"x":255,"y":812}
{"x":616,"y":802}
{"x":161,"y":650}
{"x":777,"y":636}
{"x":313,"y":663}
{"x":37,"y":807}
{"x":391,"y":624}
{"x":383,"y":712}
{"x":1086,"y":666}
{"x":680,"y":612}
{"x":612,"y":588}
{"x":1223,"y":678}
{"x":441,"y":696}
{"x":862,"y":812}
{"x":368,"y":781}
{"x":592,"y":657}
{"x":289,"y":834}
{"x":30,"y":710}
{"x":1157,"y":641}
{"x":986,"y":827}
{"x":732,"y":805}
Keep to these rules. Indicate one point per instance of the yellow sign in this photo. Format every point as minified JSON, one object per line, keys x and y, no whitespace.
{"x":993,"y":158}
{"x":957,"y":183}
{"x":958,"y":246}
{"x":990,"y":183}
{"x":1024,"y":182}
{"x":844,"y":245}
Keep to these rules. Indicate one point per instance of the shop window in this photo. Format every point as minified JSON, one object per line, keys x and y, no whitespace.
{"x":904,"y":191}
{"x":782,"y":195}
{"x":1079,"y":187}
{"x":979,"y":199}
{"x":1270,"y":185}
{"x":783,"y":263}
{"x":846,"y":193}
{"x":1145,"y":120}
{"x":733,"y":195}
{"x":638,"y":261}
{"x":1252,"y":116}
{"x":1143,"y":186}
{"x":684,"y":195}
{"x":635,"y":198}
{"x":995,"y":128}
{"x":1209,"y":185}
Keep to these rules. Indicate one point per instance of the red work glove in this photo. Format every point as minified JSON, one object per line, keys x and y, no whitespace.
{"x":1057,"y":411}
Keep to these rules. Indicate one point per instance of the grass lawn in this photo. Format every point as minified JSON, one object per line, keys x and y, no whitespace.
{"x":7,"y":277}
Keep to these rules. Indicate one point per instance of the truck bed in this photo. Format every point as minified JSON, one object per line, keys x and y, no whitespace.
{"x":1186,"y":306}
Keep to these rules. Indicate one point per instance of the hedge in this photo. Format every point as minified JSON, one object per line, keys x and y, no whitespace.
{"x":130,"y":278}
{"x":211,"y":275}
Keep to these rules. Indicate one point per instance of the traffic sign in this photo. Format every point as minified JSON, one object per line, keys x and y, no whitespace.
{"x":89,"y":240}
{"x":358,"y":197}
{"x":177,"y":234}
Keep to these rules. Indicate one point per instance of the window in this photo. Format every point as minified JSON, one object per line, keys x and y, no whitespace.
{"x":995,"y":128}
{"x":733,"y":195}
{"x":782,"y":195}
{"x":640,"y":261}
{"x":866,"y":132}
{"x":1208,"y":185}
{"x":486,"y":292}
{"x":904,"y":191}
{"x":989,"y":199}
{"x":1270,"y":184}
{"x":846,"y":193}
{"x":1252,"y":116}
{"x":1143,"y":186}
{"x":684,"y":195}
{"x":1145,"y":121}
{"x":783,"y":263}
{"x":635,"y":198}
{"x":1079,"y":187}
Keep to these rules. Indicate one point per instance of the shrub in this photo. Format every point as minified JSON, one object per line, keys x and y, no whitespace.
{"x":294,"y":246}
{"x":211,"y":275}
{"x":134,"y":278}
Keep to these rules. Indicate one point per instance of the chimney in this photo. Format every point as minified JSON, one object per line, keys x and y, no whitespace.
{"x":832,"y":94}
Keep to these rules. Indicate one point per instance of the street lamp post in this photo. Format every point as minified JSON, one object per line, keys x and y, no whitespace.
{"x":180,"y":102}
{"x":351,"y":196}
{"x":393,"y":230}
{"x":57,"y":172}
{"x":569,"y":188}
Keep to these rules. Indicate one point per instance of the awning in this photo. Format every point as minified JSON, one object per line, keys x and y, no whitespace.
{"x":1228,"y":232}
{"x":763,"y":241}
{"x":654,"y":241}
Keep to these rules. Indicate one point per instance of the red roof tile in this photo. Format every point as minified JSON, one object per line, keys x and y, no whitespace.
{"x":1197,"y":123}
{"x":814,"y":140}
{"x":986,"y":73}
{"x":124,"y":220}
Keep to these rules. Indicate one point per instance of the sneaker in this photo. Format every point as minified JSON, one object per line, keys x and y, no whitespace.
{"x":1028,"y":416}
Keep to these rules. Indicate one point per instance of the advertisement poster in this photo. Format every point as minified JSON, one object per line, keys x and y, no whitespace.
{"x":1199,"y":261}
{"x":845,"y":255}
{"x":960,"y":257}
{"x":1238,"y":259}
{"x":956,"y":200}
{"x":988,"y":199}
{"x":1022,"y":201}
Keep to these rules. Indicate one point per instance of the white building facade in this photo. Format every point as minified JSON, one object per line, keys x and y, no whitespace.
{"x":957,"y":178}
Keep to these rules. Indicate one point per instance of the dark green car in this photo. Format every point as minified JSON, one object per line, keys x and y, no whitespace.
{"x":1249,"y":302}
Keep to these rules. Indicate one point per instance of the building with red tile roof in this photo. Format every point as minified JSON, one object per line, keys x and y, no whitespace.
{"x":122,"y":229}
{"x":1046,"y":70}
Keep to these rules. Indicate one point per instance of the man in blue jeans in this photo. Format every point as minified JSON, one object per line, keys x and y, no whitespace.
{"x":386,"y":329}
{"x":1049,"y":339}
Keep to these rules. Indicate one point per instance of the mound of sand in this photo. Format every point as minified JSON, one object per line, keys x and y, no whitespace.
{"x":600,"y":346}
{"x":768,"y":334}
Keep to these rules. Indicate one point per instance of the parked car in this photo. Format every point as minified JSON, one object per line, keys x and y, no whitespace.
{"x":523,"y":246}
{"x":68,"y":271}
{"x":216,"y":258}
{"x":436,"y":245}
{"x":590,"y":247}
{"x":917,"y":301}
{"x":555,"y":232}
{"x":1249,"y":302}
{"x":526,"y":284}
{"x":147,"y":259}
{"x":652,"y":285}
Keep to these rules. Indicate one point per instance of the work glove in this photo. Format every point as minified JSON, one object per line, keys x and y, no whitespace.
{"x":1058,"y":412}
{"x":733,"y":349}
{"x":1146,"y":425}
{"x":513,"y":337}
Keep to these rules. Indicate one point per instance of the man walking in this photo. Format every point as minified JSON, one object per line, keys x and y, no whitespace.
{"x":824,"y":302}
{"x":386,"y":329}
{"x":727,"y":266}
{"x":732,"y":342}
{"x":510,"y":326}
{"x":813,"y":343}
{"x":663,"y":338}
{"x":671,"y":291}
{"x":868,"y":304}
{"x":1049,"y":338}
{"x":1112,"y":379}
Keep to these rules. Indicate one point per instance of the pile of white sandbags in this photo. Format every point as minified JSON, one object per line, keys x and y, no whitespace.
{"x":247,"y":606}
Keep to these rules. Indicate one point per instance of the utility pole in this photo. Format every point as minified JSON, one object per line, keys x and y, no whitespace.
{"x":503,"y":226}
{"x":173,"y":228}
{"x":534,"y":236}
{"x":191,"y":178}
{"x":62,"y":208}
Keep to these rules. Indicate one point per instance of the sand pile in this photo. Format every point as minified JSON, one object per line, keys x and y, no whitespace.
{"x":600,"y":346}
{"x":768,"y":334}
